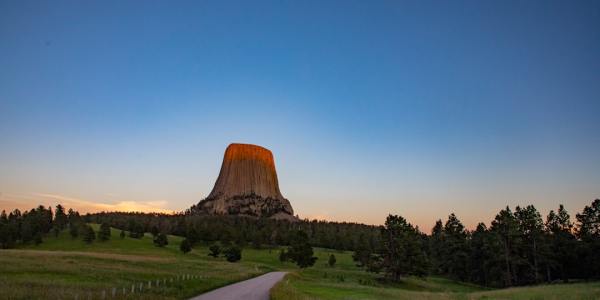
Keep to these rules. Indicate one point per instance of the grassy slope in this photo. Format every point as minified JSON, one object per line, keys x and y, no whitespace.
{"x":72,"y":267}
{"x":64,"y":267}
{"x":345,"y":281}
{"x":323,"y":282}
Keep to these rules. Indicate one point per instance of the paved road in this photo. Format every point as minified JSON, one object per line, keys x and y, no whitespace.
{"x":256,"y":288}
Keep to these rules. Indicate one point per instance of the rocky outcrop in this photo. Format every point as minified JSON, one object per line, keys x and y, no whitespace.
{"x":247,"y":185}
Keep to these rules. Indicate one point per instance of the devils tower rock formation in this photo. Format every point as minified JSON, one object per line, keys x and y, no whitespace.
{"x":247,"y":185}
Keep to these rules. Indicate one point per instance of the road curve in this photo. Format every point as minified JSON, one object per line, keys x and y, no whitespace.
{"x":256,"y":288}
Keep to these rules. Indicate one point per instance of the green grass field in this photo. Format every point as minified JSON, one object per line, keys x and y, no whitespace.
{"x":66,"y":268}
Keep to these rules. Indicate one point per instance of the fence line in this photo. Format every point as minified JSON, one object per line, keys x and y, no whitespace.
{"x":113,"y":292}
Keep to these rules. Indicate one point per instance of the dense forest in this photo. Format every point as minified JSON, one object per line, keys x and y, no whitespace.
{"x":517,"y":248}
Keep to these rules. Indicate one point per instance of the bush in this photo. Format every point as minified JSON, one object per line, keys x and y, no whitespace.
{"x":215,"y":250}
{"x":233,"y":254}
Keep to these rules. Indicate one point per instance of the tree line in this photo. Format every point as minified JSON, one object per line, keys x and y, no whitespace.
{"x":32,"y":226}
{"x":243,"y":231}
{"x":517,"y":248}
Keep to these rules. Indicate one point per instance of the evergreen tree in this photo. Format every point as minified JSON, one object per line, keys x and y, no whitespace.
{"x":505,"y":227}
{"x":161,"y":240}
{"x":479,"y":255}
{"x":588,"y":232}
{"x":456,"y":251}
{"x":300,"y":250}
{"x":362,"y":253}
{"x":154,"y":231}
{"x":26,"y":231}
{"x":562,"y":243}
{"x":37,"y":238}
{"x":136,"y":230}
{"x":74,"y":230}
{"x":88,"y":234}
{"x":7,"y":239}
{"x":437,"y":248}
{"x":104,"y":233}
{"x":331,"y":262}
{"x":56,"y":231}
{"x":73,"y":217}
{"x":589,"y":221}
{"x":185,"y":246}
{"x":60,"y":218}
{"x":283,"y":256}
{"x":402,"y":251}
{"x":192,"y":235}
{"x":531,"y":229}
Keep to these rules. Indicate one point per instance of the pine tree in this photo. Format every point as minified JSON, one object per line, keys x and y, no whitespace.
{"x":402,"y":249}
{"x":479,"y":255}
{"x":37,"y":238}
{"x":331,"y":262}
{"x":437,"y":248}
{"x":88,"y":234}
{"x":154,"y":231}
{"x":104,"y":233}
{"x":185,"y":246}
{"x":74,"y":230}
{"x":531,"y":229}
{"x":300,"y":250}
{"x":283,"y":256}
{"x":161,"y":240}
{"x":588,"y":232}
{"x":455,"y":255}
{"x":60,"y":218}
{"x":26,"y":231}
{"x":562,"y":243}
{"x":505,"y":227}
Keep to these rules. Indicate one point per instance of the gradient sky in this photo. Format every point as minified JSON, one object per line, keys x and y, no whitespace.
{"x":415,"y":108}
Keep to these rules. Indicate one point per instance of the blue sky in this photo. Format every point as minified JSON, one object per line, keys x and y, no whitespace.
{"x":415,"y":108}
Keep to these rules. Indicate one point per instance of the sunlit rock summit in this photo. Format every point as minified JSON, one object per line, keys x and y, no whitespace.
{"x":247,"y":185}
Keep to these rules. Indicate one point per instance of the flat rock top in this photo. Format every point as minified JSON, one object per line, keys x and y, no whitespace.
{"x":248,"y":152}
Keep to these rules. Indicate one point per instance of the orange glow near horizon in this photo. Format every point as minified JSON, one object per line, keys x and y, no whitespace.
{"x":27,"y":202}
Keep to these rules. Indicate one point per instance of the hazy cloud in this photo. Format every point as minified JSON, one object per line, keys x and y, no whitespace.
{"x":22,"y":202}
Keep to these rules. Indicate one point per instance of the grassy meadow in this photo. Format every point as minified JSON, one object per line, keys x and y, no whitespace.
{"x":63,"y":268}
{"x":66,"y":268}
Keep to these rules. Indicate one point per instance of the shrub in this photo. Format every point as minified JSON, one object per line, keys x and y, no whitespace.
{"x":233,"y":253}
{"x":215,"y":250}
